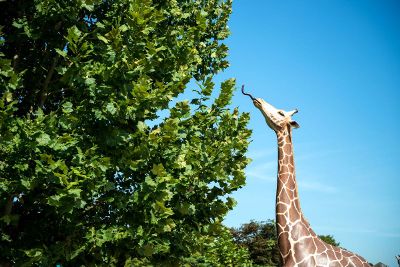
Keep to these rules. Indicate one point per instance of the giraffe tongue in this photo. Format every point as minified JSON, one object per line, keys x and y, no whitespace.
{"x":252,"y":98}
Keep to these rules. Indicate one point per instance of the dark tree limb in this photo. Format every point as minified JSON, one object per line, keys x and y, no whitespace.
{"x":50,"y":73}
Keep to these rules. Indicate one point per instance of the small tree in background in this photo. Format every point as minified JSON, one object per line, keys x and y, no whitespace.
{"x":84,"y":178}
{"x":261,"y":241}
{"x":329,"y":240}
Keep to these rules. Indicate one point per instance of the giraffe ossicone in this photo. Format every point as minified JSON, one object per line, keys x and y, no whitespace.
{"x":298,"y":244}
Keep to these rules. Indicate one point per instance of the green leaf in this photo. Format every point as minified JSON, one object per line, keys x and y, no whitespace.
{"x":150,"y":182}
{"x":111,"y":108}
{"x":34,"y":253}
{"x":18,"y":24}
{"x":148,"y":250}
{"x":76,"y":252}
{"x":187,"y":208}
{"x":43,"y":139}
{"x":75,"y":191}
{"x":102,"y":38}
{"x":62,"y":53}
{"x":73,"y":34}
{"x":67,"y":107}
{"x":5,"y":237}
{"x":90,"y":81}
{"x":100,"y":25}
{"x":123,"y":28}
{"x":158,"y":169}
{"x":8,"y":96}
{"x":141,"y":126}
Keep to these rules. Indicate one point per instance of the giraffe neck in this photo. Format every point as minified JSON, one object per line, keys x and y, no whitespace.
{"x":291,"y":224}
{"x":297,"y":242}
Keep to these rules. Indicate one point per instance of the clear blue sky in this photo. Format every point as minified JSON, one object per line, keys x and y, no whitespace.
{"x":338,"y":62}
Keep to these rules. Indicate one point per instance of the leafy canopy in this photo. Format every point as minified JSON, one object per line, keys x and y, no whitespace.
{"x":89,"y":172}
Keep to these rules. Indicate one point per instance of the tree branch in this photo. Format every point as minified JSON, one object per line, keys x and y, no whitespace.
{"x":50,"y":73}
{"x":8,"y":207}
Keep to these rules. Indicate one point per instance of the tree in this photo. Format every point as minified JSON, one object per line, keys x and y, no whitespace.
{"x":329,"y":239}
{"x":261,"y":241}
{"x":90,"y":172}
{"x":260,"y":238}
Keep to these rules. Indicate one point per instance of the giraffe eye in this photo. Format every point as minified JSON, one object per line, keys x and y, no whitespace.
{"x":280,"y":112}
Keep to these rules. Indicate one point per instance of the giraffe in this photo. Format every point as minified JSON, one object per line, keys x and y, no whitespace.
{"x":298,"y":244}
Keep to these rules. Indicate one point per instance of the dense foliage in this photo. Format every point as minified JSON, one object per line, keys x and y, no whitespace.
{"x":90,"y":172}
{"x":219,"y":251}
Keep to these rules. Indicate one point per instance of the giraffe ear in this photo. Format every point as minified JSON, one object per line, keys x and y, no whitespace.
{"x":294,"y":124}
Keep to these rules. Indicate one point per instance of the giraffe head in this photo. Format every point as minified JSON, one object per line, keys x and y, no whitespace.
{"x":277,"y":119}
